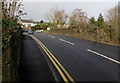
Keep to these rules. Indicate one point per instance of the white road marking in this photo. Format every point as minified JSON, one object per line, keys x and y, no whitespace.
{"x":67,"y":41}
{"x":104,"y":56}
{"x":51,"y":36}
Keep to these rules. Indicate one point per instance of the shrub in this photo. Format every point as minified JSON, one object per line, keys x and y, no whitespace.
{"x":44,"y":26}
{"x":8,"y":27}
{"x":8,"y":23}
{"x":35,"y":27}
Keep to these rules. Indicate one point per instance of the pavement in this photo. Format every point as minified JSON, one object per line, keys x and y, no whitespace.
{"x":34,"y":67}
{"x":84,"y":60}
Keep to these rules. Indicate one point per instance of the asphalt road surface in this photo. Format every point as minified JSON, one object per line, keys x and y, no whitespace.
{"x":34,"y":67}
{"x":84,"y":60}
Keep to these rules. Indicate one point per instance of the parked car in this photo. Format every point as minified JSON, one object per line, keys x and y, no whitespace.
{"x":26,"y":31}
{"x":30,"y":32}
{"x":39,"y":31}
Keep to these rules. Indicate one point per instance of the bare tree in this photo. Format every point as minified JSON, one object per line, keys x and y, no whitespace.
{"x":12,"y":8}
{"x":57,"y":17}
{"x":112,"y":18}
{"x":78,"y":18}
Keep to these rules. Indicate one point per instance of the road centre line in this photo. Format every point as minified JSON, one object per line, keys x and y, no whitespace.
{"x":51,"y":36}
{"x":67,"y":41}
{"x":53,"y":59}
{"x":113,"y":60}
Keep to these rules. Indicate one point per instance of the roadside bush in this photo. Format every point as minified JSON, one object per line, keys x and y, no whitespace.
{"x":8,"y":26}
{"x":11,"y":44}
{"x":44,"y":26}
{"x":91,"y":28}
{"x":36,"y":27}
{"x":8,"y":23}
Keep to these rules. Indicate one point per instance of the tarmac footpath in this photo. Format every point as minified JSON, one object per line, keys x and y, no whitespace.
{"x":33,"y":66}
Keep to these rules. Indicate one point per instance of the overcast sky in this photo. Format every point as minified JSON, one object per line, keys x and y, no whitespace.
{"x":36,"y":10}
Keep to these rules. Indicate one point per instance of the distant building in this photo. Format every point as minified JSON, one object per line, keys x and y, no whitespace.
{"x":28,"y":23}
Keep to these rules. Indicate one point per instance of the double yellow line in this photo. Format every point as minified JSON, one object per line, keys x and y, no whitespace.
{"x":62,"y":71}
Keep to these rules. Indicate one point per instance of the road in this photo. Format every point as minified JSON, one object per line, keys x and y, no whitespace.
{"x":84,"y":60}
{"x":33,"y":66}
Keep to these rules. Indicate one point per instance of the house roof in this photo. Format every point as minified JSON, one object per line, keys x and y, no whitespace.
{"x":27,"y":21}
{"x":36,"y":22}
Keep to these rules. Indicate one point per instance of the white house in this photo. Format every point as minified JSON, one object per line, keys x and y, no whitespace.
{"x":28,"y":23}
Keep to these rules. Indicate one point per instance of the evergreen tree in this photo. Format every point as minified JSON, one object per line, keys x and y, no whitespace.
{"x":92,"y":20}
{"x":41,"y":21}
{"x":100,"y":20}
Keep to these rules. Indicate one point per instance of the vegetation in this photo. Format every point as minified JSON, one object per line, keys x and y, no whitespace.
{"x":8,"y":26}
{"x":11,"y":12}
{"x":104,"y":29}
{"x":36,"y":27}
{"x":42,"y":26}
{"x":57,"y":17}
{"x":7,"y":23}
{"x":11,"y":39}
{"x":41,"y":21}
{"x":78,"y":19}
{"x":112,"y":19}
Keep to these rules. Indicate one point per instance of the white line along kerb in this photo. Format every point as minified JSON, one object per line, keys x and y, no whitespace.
{"x":67,"y":41}
{"x":51,"y":36}
{"x":104,"y":56}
